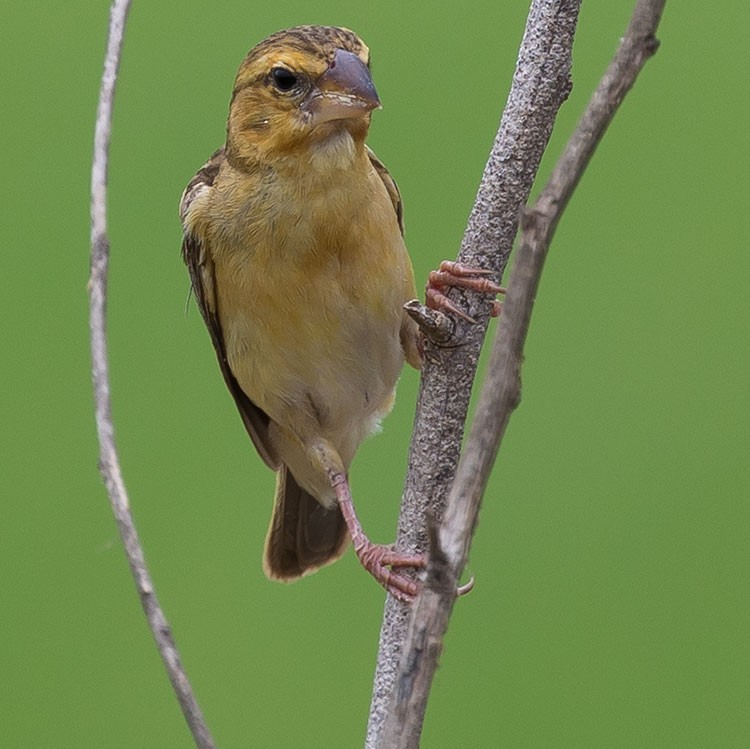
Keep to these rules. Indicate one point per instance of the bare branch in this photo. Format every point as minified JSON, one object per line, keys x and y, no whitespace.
{"x":109,"y":464}
{"x":501,"y":391}
{"x":540,"y":84}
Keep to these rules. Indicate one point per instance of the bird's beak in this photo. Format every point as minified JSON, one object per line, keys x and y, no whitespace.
{"x":345,"y":90}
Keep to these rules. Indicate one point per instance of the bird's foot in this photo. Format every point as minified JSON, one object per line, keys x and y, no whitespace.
{"x":458,"y":275}
{"x":381,"y":561}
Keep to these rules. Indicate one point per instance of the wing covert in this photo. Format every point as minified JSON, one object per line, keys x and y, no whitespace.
{"x":199,"y":262}
{"x":390,"y":186}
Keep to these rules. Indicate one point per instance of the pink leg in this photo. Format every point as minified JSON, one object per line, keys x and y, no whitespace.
{"x":378,"y":560}
{"x":461,"y":276}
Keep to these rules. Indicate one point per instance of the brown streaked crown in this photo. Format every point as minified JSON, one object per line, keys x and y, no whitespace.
{"x":317,"y":43}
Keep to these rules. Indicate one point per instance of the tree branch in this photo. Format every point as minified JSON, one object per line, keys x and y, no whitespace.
{"x":540,"y":84}
{"x":109,"y":464}
{"x":501,"y":391}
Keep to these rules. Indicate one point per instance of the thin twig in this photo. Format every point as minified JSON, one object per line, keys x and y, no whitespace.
{"x":540,"y":84}
{"x":501,"y":390}
{"x":109,"y":464}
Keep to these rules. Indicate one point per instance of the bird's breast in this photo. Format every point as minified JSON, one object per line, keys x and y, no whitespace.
{"x":310,"y":295}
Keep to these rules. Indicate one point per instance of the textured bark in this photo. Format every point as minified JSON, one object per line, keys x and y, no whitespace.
{"x":540,"y":85}
{"x":406,"y":668}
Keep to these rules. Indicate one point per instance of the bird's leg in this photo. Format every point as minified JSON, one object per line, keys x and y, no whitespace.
{"x":379,"y":561}
{"x":451,"y":274}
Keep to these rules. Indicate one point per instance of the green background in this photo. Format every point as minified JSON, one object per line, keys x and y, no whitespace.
{"x":612,"y":558}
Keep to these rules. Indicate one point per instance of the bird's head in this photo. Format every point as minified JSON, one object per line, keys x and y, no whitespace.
{"x":298,"y":89}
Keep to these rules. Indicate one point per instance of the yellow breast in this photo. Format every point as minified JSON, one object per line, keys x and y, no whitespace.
{"x":311,"y":277}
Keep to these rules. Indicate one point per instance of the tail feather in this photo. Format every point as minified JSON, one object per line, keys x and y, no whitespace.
{"x":303,"y":535}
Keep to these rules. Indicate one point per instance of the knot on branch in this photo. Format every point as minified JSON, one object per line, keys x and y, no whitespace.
{"x":441,"y":577}
{"x":650,"y":45}
{"x":436,"y":326}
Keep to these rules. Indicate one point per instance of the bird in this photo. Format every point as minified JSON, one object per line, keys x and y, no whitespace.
{"x":293,"y":239}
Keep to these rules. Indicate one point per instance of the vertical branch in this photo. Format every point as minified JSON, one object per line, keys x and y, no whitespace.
{"x":501,"y":391}
{"x":540,"y":84}
{"x":109,"y":464}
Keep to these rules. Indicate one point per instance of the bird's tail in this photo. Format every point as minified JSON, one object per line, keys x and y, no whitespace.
{"x":303,"y":535}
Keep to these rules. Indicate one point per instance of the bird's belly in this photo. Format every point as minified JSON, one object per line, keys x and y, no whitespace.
{"x":317,"y":361}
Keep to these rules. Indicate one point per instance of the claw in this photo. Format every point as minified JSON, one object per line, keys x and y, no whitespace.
{"x":380,"y":562}
{"x":458,"y":275}
{"x":438,"y":301}
{"x":462,"y":590}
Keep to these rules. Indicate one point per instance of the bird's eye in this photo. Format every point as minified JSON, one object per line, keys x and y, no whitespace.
{"x":284,"y":79}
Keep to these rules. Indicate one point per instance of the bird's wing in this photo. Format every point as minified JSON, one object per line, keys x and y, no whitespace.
{"x":390,"y":186}
{"x":409,"y":333}
{"x":198,"y":259}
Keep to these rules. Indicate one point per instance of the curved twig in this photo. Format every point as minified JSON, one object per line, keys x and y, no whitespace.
{"x":109,"y":464}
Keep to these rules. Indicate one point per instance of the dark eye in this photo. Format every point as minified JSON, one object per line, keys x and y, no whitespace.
{"x":284,"y":79}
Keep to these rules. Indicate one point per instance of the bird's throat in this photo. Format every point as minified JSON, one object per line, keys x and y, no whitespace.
{"x":338,"y":151}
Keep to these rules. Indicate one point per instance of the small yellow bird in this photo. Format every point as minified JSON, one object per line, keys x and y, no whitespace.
{"x":293,"y":240}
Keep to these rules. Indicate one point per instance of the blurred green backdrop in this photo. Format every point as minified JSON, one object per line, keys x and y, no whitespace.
{"x":612,"y":556}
